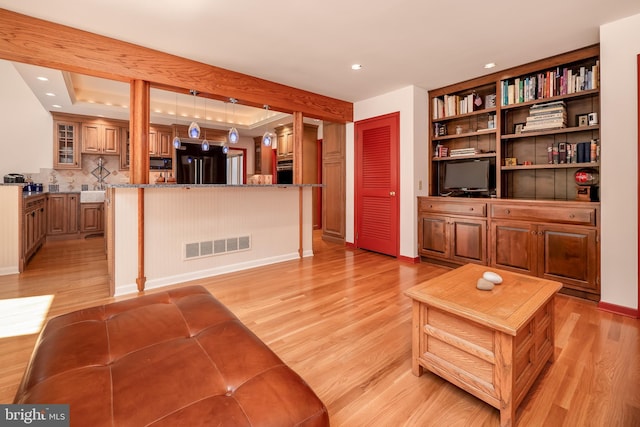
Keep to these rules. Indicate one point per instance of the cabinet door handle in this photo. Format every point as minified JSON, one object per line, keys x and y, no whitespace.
{"x":33,"y":214}
{"x":392,"y":193}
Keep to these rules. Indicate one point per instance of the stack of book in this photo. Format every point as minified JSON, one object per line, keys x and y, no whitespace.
{"x":463,"y":152}
{"x":552,"y":115}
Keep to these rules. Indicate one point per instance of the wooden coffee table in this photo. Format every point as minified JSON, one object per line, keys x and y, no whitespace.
{"x":493,"y":344}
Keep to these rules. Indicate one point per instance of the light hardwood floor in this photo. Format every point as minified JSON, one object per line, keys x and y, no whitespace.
{"x":341,"y":320}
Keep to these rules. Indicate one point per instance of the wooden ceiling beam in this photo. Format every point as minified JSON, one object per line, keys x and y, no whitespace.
{"x":34,"y":41}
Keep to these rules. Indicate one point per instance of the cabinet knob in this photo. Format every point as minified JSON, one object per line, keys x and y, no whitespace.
{"x":392,"y":193}
{"x":540,"y":233}
{"x":471,"y":209}
{"x":572,"y":216}
{"x":430,"y":206}
{"x":533,"y":233}
{"x":507,"y":211}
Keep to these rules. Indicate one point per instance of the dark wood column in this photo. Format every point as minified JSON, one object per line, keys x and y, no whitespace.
{"x":298,"y":136}
{"x":139,"y":146}
{"x":139,"y":132}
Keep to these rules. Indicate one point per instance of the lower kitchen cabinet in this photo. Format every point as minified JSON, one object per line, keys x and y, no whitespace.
{"x":91,"y":217}
{"x":553,"y":240}
{"x":34,"y":228}
{"x":63,"y":209}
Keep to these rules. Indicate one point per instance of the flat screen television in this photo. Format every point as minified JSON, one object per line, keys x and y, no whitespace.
{"x":467,"y":176}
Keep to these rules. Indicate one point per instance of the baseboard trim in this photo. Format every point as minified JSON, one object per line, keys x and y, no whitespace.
{"x":409,"y":260}
{"x":618,"y":309}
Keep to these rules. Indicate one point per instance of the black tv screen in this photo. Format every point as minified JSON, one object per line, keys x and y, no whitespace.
{"x":472,"y":175}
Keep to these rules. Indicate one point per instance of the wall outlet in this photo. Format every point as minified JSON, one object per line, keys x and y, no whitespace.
{"x":420,"y":185}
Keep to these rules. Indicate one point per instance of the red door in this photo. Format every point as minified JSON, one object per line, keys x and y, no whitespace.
{"x":376,"y":184}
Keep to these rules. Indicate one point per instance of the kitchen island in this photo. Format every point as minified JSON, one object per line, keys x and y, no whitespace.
{"x":161,"y":234}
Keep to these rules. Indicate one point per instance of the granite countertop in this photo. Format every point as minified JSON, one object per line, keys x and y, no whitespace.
{"x":27,"y":194}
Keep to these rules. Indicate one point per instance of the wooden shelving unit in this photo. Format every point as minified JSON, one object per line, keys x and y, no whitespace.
{"x":537,"y":178}
{"x":537,"y":220}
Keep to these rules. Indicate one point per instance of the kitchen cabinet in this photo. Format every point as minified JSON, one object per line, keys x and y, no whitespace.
{"x":63,"y":209}
{"x":333,"y":180}
{"x":160,"y":141}
{"x":125,"y":152}
{"x":453,"y":232}
{"x":66,"y":143}
{"x":34,"y":227}
{"x":285,"y":141}
{"x":91,"y":217}
{"x":101,"y":137}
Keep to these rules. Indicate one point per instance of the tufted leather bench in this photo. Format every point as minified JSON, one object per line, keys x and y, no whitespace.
{"x":174,"y":358}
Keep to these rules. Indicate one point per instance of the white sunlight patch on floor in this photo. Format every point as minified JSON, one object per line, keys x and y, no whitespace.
{"x":23,"y":316}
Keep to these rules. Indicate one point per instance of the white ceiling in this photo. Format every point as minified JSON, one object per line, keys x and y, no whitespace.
{"x":312,"y":45}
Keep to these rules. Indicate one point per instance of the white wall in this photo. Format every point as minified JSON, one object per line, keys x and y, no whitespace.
{"x":619,"y":47}
{"x":412,"y":103}
{"x":27,"y":128}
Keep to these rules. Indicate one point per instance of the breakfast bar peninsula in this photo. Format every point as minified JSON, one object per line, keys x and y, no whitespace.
{"x":161,"y":234}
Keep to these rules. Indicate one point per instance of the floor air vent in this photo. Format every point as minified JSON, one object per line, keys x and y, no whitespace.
{"x":216,"y":247}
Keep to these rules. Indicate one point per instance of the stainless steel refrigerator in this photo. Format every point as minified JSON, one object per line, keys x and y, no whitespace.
{"x":194,"y":166}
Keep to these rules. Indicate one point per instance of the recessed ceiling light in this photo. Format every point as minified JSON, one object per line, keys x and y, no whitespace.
{"x":56,"y":106}
{"x":489,"y":65}
{"x":356,"y":67}
{"x":43,"y":79}
{"x":50,"y":94}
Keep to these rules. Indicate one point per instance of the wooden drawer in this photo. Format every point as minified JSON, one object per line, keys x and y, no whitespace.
{"x":565,"y":215}
{"x":467,"y":208}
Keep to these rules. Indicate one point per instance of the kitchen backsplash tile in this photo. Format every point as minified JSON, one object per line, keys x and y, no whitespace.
{"x":77,"y":180}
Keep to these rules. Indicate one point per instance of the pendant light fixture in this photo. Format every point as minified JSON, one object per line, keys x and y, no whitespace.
{"x":194,"y":128}
{"x":233,"y":133}
{"x":267,"y":137}
{"x":205,"y":143}
{"x":176,"y":139}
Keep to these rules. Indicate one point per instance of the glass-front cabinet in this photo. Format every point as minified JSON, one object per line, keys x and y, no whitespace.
{"x":67,"y":145}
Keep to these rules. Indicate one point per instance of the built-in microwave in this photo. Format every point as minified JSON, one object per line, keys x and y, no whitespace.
{"x":162,"y":163}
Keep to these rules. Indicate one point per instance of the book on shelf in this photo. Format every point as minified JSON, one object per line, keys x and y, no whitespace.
{"x":562,"y":152}
{"x":554,"y":82}
{"x":442,"y":151}
{"x":568,"y":152}
{"x":463,"y":152}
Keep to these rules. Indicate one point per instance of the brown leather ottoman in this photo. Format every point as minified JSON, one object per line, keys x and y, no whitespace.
{"x":173,"y":358}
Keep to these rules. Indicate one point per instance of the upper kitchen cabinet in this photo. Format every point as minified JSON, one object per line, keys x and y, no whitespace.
{"x":125,"y":152}
{"x":101,"y":137}
{"x":66,"y":143}
{"x":160,"y":141}
{"x":285,"y":141}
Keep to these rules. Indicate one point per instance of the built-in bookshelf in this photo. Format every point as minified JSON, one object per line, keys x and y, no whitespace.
{"x":538,"y":124}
